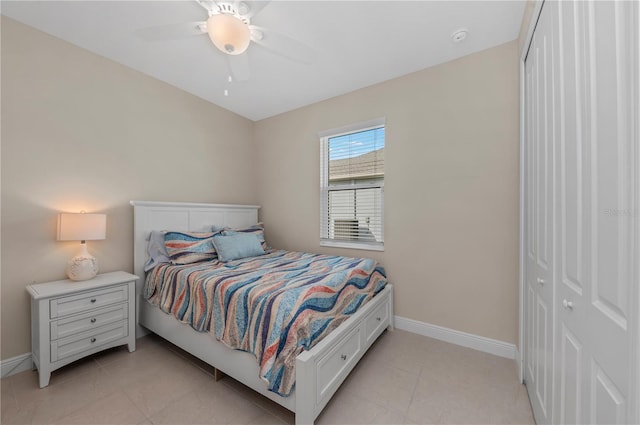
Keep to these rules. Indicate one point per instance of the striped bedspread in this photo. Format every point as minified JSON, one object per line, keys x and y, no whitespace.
{"x":273,"y":306}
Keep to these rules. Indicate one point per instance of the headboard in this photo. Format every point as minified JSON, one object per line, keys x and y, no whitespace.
{"x":182,"y":216}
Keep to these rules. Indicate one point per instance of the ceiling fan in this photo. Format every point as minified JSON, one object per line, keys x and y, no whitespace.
{"x":230,"y":29}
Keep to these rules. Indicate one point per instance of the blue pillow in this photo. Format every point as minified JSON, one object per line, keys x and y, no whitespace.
{"x":236,"y":246}
{"x":256,"y":229}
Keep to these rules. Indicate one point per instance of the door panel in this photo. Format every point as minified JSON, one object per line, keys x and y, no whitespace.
{"x":610,"y":200}
{"x":594,"y":166}
{"x":542,"y":383}
{"x":571,"y":378}
{"x":572,"y":220}
{"x":572,"y":374}
{"x":611,"y":131}
{"x":530,"y":337}
{"x":544,"y":128}
{"x":539,"y":183}
{"x":607,"y":402}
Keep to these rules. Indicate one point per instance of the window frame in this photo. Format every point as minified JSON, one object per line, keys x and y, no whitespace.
{"x":326,"y":188}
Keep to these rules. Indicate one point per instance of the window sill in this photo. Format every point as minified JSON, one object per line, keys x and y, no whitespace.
{"x":368,"y":246}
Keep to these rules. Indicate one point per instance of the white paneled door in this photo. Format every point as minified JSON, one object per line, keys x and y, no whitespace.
{"x":572,"y":216}
{"x":595,"y":169}
{"x":539,"y":218}
{"x":581,"y":213}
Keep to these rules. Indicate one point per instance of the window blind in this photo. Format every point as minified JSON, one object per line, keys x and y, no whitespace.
{"x":352,"y":183}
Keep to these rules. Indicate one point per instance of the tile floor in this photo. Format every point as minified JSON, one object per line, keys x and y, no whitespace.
{"x":403,"y":379}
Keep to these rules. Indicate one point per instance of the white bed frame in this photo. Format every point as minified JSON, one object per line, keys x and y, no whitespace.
{"x":319,"y":371}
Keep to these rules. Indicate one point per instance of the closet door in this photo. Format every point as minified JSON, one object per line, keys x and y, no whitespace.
{"x":539,"y":219}
{"x":595,"y":255}
{"x":573,"y":216}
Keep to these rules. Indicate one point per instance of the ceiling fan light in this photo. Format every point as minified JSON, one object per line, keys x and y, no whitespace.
{"x":228,"y":33}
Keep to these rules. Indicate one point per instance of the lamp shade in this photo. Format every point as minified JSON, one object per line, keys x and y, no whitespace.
{"x":81,"y":227}
{"x":228,"y":33}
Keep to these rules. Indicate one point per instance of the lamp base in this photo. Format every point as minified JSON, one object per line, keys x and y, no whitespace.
{"x":83,"y":266}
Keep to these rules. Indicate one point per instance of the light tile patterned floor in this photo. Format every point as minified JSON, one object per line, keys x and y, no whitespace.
{"x":404,"y":379}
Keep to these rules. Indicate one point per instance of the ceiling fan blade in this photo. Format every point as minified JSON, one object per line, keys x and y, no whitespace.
{"x":207,"y":5}
{"x":172,"y":31}
{"x":283,"y":45}
{"x":254,"y":7}
{"x":239,"y":67}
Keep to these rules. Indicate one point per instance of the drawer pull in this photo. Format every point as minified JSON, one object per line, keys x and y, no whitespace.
{"x":93,"y":340}
{"x":378,"y":318}
{"x":343,"y":357}
{"x":93,"y":320}
{"x":93,"y":300}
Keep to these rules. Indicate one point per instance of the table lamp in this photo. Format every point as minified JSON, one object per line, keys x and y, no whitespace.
{"x":82,"y":227}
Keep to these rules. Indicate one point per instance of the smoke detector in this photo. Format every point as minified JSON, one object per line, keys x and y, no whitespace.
{"x":459,"y":35}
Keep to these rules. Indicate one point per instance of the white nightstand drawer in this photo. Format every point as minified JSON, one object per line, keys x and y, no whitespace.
{"x":376,"y":321}
{"x":64,"y":306}
{"x":62,"y":328}
{"x":333,"y":368}
{"x":75,"y":344}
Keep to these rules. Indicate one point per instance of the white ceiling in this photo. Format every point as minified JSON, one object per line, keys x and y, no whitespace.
{"x":357,"y":43}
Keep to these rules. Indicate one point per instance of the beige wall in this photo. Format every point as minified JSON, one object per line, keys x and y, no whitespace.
{"x":451,"y":187}
{"x":82,"y":132}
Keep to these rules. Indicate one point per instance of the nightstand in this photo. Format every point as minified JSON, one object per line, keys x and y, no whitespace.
{"x":71,"y":320}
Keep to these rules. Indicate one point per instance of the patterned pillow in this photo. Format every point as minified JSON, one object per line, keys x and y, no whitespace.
{"x":190,"y":247}
{"x":256,"y":229}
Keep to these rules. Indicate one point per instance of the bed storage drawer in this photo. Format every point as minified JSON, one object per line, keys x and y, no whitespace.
{"x":334,"y":367}
{"x":65,"y":327}
{"x":87,"y":341}
{"x":376,"y":322}
{"x":64,"y":306}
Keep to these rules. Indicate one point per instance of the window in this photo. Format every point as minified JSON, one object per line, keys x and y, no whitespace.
{"x":352,"y":186}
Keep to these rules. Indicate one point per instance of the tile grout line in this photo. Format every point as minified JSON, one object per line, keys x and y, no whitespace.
{"x":413,"y":394}
{"x":144,"y":415}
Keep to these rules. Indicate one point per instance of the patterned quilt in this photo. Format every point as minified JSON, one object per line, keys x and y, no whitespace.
{"x":273,"y":306}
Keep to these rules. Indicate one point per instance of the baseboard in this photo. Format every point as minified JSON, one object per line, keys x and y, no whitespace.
{"x":141,"y":331}
{"x":16,"y":365}
{"x":519,"y":364}
{"x":480,"y":343}
{"x":499,"y":348}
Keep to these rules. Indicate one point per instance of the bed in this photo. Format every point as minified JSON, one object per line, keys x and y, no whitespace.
{"x":319,"y":371}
